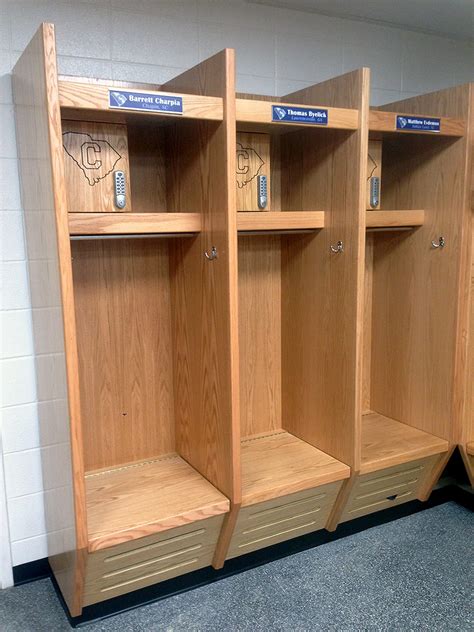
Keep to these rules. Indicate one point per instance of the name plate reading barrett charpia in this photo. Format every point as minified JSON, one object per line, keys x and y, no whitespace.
{"x":125,"y":100}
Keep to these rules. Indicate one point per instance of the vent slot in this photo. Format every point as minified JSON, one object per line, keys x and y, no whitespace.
{"x":156,"y":574}
{"x":155,"y":560}
{"x":278,"y":534}
{"x":278,"y":522}
{"x":155,"y":545}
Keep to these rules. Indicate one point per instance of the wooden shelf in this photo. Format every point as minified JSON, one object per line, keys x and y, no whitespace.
{"x":278,"y":464}
{"x":75,"y":95}
{"x":387,"y":442}
{"x":281,"y":220}
{"x":260,"y":112}
{"x":380,"y":121}
{"x":394,"y":219}
{"x":470,"y":448}
{"x":143,"y":498}
{"x":133,"y":223}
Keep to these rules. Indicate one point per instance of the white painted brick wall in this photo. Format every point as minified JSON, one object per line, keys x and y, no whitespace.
{"x":278,"y":51}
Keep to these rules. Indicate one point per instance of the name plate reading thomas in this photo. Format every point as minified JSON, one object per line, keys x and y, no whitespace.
{"x":125,"y":100}
{"x":289,"y":114}
{"x":418,"y":123}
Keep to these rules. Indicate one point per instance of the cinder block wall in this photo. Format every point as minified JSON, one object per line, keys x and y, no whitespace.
{"x":278,"y":51}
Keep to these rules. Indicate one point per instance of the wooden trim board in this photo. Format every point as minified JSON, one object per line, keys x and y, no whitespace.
{"x":86,"y":96}
{"x":280,"y":220}
{"x":254,"y":111}
{"x":389,"y":219}
{"x":133,"y":223}
{"x":386,"y":122}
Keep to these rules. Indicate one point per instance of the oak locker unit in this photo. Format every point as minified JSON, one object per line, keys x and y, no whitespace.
{"x":139,"y":379}
{"x":414,"y":303}
{"x":296,"y":337}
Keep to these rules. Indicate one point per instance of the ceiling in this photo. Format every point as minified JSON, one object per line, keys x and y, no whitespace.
{"x":450,"y":18}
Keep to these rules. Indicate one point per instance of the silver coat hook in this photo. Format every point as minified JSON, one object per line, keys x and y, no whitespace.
{"x":439,"y":244}
{"x":212,"y":255}
{"x":339,"y":247}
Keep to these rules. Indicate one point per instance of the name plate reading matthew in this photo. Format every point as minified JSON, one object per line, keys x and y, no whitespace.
{"x":288,"y":114}
{"x":125,"y":100}
{"x":418,"y":123}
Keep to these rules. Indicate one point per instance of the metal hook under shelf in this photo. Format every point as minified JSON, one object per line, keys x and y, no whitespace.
{"x":439,"y":244}
{"x":212,"y":255}
{"x":339,"y":247}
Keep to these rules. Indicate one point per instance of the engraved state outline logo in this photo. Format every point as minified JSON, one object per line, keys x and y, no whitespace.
{"x":251,"y":157}
{"x":82,"y":157}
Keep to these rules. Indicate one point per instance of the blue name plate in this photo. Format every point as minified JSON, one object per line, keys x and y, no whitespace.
{"x":125,"y":100}
{"x":288,"y":114}
{"x":418,"y":123}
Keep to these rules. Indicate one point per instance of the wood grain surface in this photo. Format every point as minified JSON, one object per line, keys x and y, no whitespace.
{"x":280,"y":221}
{"x":392,"y":219}
{"x":78,"y":95}
{"x":44,"y":200}
{"x":140,"y":499}
{"x":260,"y":111}
{"x":322,"y":304}
{"x":278,"y":464}
{"x":92,"y":152}
{"x":123,"y":315}
{"x":260,"y":334}
{"x":387,"y":442}
{"x":204,"y":292}
{"x":133,"y":223}
{"x":387,"y":121}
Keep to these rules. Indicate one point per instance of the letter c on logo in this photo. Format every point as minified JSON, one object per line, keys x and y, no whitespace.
{"x":242,"y":161}
{"x":89,"y":153}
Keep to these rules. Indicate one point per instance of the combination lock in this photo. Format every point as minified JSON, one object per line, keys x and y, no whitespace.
{"x":374,"y":191}
{"x":262,"y":191}
{"x":120,"y":189}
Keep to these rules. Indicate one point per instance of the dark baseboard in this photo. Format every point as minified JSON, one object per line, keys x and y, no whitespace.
{"x":40,"y":568}
{"x":30,"y":572}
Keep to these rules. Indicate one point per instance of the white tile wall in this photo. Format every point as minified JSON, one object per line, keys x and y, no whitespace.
{"x":278,"y":51}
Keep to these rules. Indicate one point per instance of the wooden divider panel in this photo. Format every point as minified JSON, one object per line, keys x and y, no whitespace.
{"x":465,"y":433}
{"x":44,"y":201}
{"x":204,"y":298}
{"x":419,"y":307}
{"x":322,"y":302}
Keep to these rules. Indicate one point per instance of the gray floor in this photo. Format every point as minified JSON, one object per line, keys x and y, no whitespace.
{"x":411,"y":574}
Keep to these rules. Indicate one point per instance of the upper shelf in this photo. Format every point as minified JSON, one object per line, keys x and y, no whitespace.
{"x":138,"y":500}
{"x":248,"y":221}
{"x":387,"y":442}
{"x":133,"y":223}
{"x":279,"y":464}
{"x":387,"y":122}
{"x":263,"y":113}
{"x":394,"y":219}
{"x":75,"y":95}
